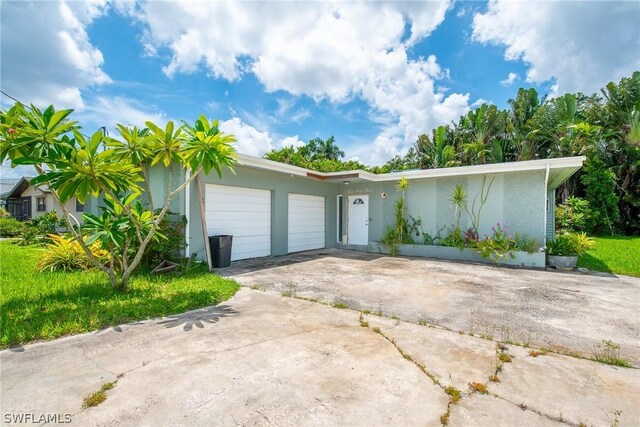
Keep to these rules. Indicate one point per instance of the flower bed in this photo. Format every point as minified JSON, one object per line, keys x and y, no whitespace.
{"x":522,"y":259}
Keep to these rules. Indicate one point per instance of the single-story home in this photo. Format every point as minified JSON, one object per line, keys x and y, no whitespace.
{"x":25,"y":201}
{"x":272,"y":208}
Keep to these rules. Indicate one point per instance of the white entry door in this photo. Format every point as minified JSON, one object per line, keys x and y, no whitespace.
{"x":358,"y":228}
{"x":306,"y":222}
{"x":244,"y":213}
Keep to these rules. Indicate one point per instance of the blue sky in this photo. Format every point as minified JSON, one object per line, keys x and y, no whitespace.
{"x":373,"y":74}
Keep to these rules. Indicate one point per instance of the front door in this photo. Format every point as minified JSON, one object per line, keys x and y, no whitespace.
{"x":358,"y":229}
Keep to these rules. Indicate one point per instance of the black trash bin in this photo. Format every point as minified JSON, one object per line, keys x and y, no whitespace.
{"x":220,"y":250}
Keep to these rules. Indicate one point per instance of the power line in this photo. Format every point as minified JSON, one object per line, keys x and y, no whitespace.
{"x":10,"y":97}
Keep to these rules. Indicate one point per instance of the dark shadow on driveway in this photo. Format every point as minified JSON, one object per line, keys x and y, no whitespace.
{"x":258,"y":264}
{"x":198,"y":318}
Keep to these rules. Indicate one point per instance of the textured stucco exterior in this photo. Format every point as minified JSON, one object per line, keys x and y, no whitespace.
{"x":280,"y":186}
{"x":515,"y":199}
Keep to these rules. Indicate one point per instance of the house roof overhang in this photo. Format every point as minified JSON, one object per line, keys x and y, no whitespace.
{"x":559,"y":170}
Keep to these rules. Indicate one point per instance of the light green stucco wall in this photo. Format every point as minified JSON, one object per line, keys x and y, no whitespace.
{"x":515,"y":199}
{"x":280,"y":186}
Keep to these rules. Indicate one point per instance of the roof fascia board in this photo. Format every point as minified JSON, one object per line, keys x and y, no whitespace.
{"x":528,"y":165}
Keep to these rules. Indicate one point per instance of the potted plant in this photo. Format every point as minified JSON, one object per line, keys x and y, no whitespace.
{"x":563,"y":252}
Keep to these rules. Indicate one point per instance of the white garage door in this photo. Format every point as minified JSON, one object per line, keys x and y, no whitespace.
{"x":306,"y":222}
{"x":245,"y":213}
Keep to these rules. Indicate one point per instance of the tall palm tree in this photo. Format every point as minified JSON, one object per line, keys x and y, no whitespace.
{"x":326,"y":149}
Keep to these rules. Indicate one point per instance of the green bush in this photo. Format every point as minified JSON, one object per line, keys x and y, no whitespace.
{"x":173,"y":228}
{"x":65,"y":254}
{"x":10,"y":227}
{"x":600,"y":189}
{"x":570,"y":244}
{"x":498,"y":246}
{"x":4,"y":213}
{"x":574,"y":215}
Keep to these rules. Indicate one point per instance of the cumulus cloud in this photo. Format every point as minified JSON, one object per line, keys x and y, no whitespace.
{"x":47,"y":56}
{"x":558,"y":42}
{"x":511,"y":79}
{"x":327,"y":51}
{"x":254,"y":142}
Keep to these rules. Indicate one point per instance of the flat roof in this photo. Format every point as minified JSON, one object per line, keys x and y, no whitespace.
{"x":560,"y":169}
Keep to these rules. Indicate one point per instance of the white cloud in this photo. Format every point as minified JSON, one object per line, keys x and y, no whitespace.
{"x":328,"y":51}
{"x":254,"y":142}
{"x":47,"y":56}
{"x":580,"y":45}
{"x":109,"y":111}
{"x":511,"y":79}
{"x":250,"y":140}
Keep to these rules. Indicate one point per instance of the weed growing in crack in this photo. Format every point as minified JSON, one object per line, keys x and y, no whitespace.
{"x":94,"y":399}
{"x":444,"y":418}
{"x":478,"y":388}
{"x":536,"y":353}
{"x":376,"y":329}
{"x":454,"y":394}
{"x":616,"y":418}
{"x":609,"y":352}
{"x":505,"y":357}
{"x":363,"y":322}
{"x":107,"y":386}
{"x":494,"y":378}
{"x":366,"y":311}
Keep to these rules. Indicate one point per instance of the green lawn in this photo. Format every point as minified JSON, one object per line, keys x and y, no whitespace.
{"x":615,"y":254}
{"x":42,"y":306}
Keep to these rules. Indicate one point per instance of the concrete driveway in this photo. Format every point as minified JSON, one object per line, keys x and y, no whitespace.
{"x":261,"y":359}
{"x":569,"y":312}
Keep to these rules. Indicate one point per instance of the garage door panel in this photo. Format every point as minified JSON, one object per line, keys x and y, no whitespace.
{"x":245,"y":213}
{"x":306,"y":222}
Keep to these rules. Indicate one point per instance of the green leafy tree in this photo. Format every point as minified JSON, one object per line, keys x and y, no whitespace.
{"x":599,"y":183}
{"x":116,"y":171}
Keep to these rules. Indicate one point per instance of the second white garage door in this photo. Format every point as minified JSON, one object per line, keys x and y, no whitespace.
{"x":306,"y":222}
{"x":244,"y":213}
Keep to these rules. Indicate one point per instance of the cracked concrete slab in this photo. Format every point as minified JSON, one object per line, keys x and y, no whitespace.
{"x":487,"y":410}
{"x":568,"y":311}
{"x":452,"y":358}
{"x":576,"y":390}
{"x":267,"y":360}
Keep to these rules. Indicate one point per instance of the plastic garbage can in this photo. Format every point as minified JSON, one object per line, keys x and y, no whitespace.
{"x":221,"y":250}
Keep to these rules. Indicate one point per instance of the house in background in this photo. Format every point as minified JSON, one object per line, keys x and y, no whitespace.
{"x":24,"y":201}
{"x":272,"y":208}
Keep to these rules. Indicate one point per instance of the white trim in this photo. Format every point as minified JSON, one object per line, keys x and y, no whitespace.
{"x":546,"y":204}
{"x":528,"y":165}
{"x":338,"y":217}
{"x":187,"y":213}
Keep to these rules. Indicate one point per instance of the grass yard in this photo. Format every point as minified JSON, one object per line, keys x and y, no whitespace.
{"x":615,"y":254}
{"x":42,"y":306}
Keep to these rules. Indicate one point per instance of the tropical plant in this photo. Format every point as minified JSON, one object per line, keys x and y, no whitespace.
{"x":73,"y":165}
{"x":599,"y":183}
{"x":498,"y":246}
{"x":10,"y":227}
{"x":573,"y":215}
{"x":570,"y":244}
{"x":4,"y":213}
{"x":66,"y":254}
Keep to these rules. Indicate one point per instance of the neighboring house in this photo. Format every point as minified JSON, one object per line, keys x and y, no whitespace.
{"x":273,"y":209}
{"x":24,"y":201}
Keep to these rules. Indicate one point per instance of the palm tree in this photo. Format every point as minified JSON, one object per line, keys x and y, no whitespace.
{"x":325,"y":149}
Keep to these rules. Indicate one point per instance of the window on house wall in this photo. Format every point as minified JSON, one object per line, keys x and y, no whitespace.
{"x":41,"y":204}
{"x":340,"y":208}
{"x":79,"y":206}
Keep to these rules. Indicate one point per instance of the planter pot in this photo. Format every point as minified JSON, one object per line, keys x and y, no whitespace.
{"x":562,"y":262}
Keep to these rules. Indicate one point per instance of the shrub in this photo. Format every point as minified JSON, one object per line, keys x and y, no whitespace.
{"x":527,"y":244}
{"x":65,"y":254}
{"x":172,"y":227}
{"x":574,"y":215}
{"x":570,"y":244}
{"x":37,"y":229}
{"x":10,"y":227}
{"x":500,"y":245}
{"x":600,"y":189}
{"x":4,"y":213}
